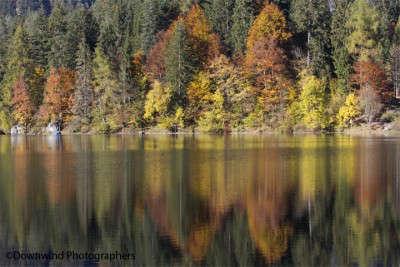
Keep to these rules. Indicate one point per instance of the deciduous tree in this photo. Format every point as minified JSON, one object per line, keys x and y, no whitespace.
{"x":21,"y":103}
{"x":266,"y":60}
{"x":58,"y":96}
{"x":370,"y":79}
{"x":312,"y":101}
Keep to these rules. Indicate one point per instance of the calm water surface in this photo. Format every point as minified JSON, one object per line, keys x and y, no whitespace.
{"x":219,"y":201}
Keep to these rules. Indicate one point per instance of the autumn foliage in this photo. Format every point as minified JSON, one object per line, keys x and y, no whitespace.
{"x":370,"y":74}
{"x":22,"y":105}
{"x":204,"y":44}
{"x":269,"y":25}
{"x":58,"y":95}
{"x":266,"y":60}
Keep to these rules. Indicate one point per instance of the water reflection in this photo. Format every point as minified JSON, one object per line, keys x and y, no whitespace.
{"x":307,"y":201}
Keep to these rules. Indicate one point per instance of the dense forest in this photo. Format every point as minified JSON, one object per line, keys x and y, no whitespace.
{"x":220,"y":65}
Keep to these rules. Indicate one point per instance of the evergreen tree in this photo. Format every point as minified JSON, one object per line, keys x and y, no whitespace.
{"x":313,"y":17}
{"x":106,"y":93}
{"x":76,"y":30}
{"x":18,"y":66}
{"x":4,"y":35}
{"x":180,"y":65}
{"x":110,"y":38}
{"x":59,"y":55}
{"x":151,"y":13}
{"x":340,"y":54}
{"x":242,"y":18}
{"x":219,"y":15}
{"x":36,"y":26}
{"x":388,"y":13}
{"x":363,"y":25}
{"x":83,"y":96}
{"x":37,"y":29}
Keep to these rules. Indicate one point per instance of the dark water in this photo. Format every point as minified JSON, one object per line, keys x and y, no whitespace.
{"x":218,"y":201}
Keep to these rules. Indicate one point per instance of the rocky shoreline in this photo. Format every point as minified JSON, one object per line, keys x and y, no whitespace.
{"x":365,"y":130}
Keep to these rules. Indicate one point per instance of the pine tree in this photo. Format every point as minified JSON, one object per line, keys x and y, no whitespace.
{"x":36,"y":26}
{"x":76,"y":30}
{"x":180,"y":65}
{"x":37,"y":29}
{"x":18,"y":65}
{"x":59,"y":47}
{"x":4,"y":35}
{"x":312,"y":17}
{"x":106,"y":94}
{"x":340,"y":54}
{"x":363,"y":25}
{"x":242,"y":19}
{"x":220,"y":17}
{"x":149,"y":31}
{"x":83,"y":96}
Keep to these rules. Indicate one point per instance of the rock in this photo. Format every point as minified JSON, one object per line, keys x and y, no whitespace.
{"x":17,"y":130}
{"x":52,"y":129}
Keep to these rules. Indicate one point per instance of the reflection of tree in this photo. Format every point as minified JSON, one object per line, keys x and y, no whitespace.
{"x":267,"y":206}
{"x":219,"y":201}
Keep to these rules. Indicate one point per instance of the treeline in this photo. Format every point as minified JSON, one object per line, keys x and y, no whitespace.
{"x":221,"y":65}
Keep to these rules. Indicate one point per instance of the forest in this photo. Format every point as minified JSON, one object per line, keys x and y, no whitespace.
{"x":110,"y":66}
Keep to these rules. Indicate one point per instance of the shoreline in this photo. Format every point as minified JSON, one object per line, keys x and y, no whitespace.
{"x":373,"y":130}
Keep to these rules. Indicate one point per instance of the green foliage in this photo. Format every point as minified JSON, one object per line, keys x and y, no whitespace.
{"x":18,"y":65}
{"x":5,"y":123}
{"x":180,"y":64}
{"x":83,"y":96}
{"x":106,"y":93}
{"x":242,"y":19}
{"x":219,"y":13}
{"x":313,"y":19}
{"x":59,"y":54}
{"x":363,"y":25}
{"x":340,"y":54}
{"x":180,"y":43}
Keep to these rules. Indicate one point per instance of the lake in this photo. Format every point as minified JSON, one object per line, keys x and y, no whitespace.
{"x":203,"y":200}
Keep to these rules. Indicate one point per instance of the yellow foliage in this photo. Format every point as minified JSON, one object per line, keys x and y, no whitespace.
{"x":173,"y":121}
{"x":199,"y":89}
{"x":157,"y":101}
{"x":270,"y":24}
{"x":214,"y":119}
{"x":349,"y":111}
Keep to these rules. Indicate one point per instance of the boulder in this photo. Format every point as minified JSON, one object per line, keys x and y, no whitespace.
{"x":17,"y":130}
{"x":53,"y":129}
